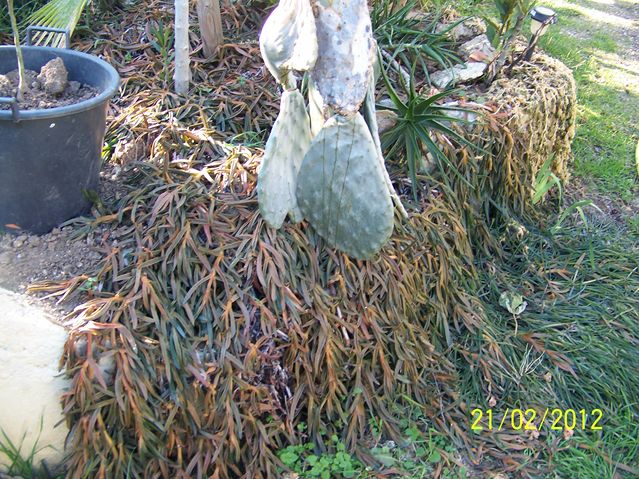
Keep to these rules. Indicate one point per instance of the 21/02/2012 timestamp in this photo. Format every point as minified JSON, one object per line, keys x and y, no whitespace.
{"x":532,"y":420}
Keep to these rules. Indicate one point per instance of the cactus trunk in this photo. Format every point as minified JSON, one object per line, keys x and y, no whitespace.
{"x":341,"y":187}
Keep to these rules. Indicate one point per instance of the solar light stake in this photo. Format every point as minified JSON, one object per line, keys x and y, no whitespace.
{"x":540,"y":19}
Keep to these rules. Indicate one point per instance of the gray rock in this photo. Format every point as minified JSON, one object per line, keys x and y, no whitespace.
{"x":53,"y":76}
{"x":20,"y":241}
{"x":464,"y":31}
{"x":5,"y":258}
{"x":468,"y":116}
{"x":461,"y":73}
{"x":386,"y":120}
{"x":74,"y":86}
{"x":479,"y":48}
{"x":5,"y":86}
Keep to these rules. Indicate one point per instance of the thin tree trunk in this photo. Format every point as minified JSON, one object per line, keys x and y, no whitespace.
{"x":182,"y":74}
{"x":210,"y":19}
{"x":498,"y":64}
{"x":22,"y":82}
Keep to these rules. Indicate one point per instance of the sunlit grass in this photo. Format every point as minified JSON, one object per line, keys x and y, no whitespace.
{"x":608,"y":95}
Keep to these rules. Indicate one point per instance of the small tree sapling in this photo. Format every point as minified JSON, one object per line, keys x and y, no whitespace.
{"x":22,"y":82}
{"x":182,"y":75}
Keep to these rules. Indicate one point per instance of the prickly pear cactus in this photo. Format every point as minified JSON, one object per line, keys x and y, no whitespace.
{"x":342,"y":191}
{"x":368,"y":110}
{"x":277,"y":179}
{"x":288,"y":40}
{"x":345,"y":55}
{"x":341,"y":186}
{"x":315,"y":108}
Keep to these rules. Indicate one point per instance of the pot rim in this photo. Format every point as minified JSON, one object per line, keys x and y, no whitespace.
{"x":45,"y":113}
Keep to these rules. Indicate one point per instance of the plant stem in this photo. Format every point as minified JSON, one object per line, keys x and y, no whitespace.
{"x":498,"y":64}
{"x":22,"y":81}
{"x":182,"y":75}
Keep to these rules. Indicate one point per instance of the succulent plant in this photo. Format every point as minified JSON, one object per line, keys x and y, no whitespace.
{"x":337,"y":181}
{"x":288,"y":40}
{"x":346,"y":51}
{"x":287,"y":144}
{"x":341,"y":188}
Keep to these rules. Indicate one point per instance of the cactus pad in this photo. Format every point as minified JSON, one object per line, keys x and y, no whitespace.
{"x":288,"y":39}
{"x":277,"y":179}
{"x":341,"y":188}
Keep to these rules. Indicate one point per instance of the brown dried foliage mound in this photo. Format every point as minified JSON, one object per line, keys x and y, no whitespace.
{"x":208,"y":336}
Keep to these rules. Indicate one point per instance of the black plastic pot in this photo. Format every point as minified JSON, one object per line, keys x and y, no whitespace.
{"x":50,"y":158}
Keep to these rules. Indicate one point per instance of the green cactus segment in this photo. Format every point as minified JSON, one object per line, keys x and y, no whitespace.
{"x":315,"y":108}
{"x":288,"y":40}
{"x":370,"y":117}
{"x":286,"y":146}
{"x":341,"y":188}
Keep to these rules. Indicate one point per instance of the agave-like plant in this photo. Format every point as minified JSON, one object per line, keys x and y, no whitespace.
{"x":406,"y":37}
{"x":417,"y":118}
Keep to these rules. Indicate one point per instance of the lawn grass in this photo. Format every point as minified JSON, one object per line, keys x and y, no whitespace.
{"x":23,"y":9}
{"x":594,"y":323}
{"x":608,"y":95}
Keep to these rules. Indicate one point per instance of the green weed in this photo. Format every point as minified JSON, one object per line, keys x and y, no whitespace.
{"x":305,"y":461}
{"x":22,"y":463}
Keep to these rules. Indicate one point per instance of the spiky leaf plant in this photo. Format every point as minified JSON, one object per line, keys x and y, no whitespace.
{"x":411,"y":39}
{"x":418,"y":117}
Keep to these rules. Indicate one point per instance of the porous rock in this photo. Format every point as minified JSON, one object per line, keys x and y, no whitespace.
{"x":465,"y":30}
{"x":386,"y":119}
{"x":54,"y":76}
{"x":478,"y":49}
{"x":461,"y":73}
{"x":5,"y":86}
{"x":30,"y":385}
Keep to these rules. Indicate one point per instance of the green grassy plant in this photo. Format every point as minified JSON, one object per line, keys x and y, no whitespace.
{"x":23,"y":9}
{"x":607,"y":115}
{"x":22,"y":463}
{"x":409,"y":39}
{"x":161,"y":39}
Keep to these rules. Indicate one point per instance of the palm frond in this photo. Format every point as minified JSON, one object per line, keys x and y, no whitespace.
{"x":63,"y":14}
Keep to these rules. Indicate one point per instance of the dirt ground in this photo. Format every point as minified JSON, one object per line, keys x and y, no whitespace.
{"x":63,"y":253}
